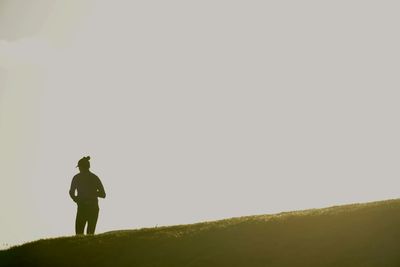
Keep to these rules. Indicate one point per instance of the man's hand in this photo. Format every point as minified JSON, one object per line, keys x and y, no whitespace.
{"x":73,"y":196}
{"x":101,"y":194}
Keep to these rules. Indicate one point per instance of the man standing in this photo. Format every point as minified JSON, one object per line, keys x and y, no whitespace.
{"x":89,"y":188}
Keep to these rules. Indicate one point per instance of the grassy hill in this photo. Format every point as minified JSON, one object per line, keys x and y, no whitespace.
{"x":351,"y":235}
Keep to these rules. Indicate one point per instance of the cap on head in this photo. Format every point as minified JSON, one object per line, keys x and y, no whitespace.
{"x":84,"y":163}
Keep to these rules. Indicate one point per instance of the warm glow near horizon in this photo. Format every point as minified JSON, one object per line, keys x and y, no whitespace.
{"x":194,"y":111}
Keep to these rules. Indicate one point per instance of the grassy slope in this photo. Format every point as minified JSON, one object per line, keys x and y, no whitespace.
{"x":351,"y":235}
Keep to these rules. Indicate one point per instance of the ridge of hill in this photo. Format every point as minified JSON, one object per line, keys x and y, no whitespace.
{"x":350,"y":235}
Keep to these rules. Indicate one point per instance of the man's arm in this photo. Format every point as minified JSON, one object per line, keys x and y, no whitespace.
{"x":100,"y":189}
{"x":72,"y":190}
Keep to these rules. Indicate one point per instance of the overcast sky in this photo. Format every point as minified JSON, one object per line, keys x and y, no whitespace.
{"x":195,"y":110}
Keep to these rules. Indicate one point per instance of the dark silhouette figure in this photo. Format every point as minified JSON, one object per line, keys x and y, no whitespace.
{"x":89,"y":188}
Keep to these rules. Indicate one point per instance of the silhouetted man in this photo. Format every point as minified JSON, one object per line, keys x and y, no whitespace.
{"x":89,"y":187}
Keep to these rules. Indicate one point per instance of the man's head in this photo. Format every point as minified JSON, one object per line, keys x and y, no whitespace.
{"x":84,"y":164}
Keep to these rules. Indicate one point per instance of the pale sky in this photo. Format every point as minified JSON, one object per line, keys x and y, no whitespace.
{"x":195,"y":110}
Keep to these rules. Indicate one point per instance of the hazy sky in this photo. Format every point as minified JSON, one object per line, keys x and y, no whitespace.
{"x":195,"y":110}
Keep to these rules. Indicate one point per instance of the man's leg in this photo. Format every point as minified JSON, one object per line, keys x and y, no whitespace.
{"x":80,"y":220}
{"x":93,"y":214}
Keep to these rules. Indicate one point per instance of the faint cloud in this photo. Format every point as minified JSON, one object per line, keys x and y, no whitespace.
{"x":27,"y":52}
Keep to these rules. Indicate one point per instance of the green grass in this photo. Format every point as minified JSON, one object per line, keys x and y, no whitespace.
{"x":351,"y":235}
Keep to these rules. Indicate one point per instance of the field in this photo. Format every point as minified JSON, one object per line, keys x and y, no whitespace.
{"x":351,"y":235}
